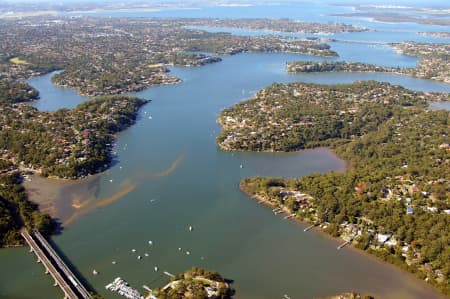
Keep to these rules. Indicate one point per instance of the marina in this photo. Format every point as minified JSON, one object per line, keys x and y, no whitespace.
{"x":121,"y":287}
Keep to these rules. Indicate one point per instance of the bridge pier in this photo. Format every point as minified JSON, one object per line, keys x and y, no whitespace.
{"x":56,"y":270}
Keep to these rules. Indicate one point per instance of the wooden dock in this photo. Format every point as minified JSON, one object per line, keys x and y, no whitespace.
{"x":168,"y":274}
{"x":289,"y":216}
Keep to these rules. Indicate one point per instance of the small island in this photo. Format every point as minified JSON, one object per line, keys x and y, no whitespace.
{"x":393,"y":199}
{"x":434,"y":63}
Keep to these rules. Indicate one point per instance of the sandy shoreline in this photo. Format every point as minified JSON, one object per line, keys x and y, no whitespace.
{"x":57,"y":197}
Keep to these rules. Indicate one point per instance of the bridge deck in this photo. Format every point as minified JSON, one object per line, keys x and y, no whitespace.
{"x":64,"y":278}
{"x":59,"y":280}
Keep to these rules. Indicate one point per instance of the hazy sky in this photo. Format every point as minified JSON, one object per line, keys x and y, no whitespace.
{"x":427,"y":3}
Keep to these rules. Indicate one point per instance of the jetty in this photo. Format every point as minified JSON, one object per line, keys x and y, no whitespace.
{"x":121,"y":287}
{"x":345,"y":243}
{"x":168,"y":274}
{"x":309,"y":227}
{"x":289,"y":216}
{"x":55,"y":266}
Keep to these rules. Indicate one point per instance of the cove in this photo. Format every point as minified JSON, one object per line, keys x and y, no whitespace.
{"x":169,"y":174}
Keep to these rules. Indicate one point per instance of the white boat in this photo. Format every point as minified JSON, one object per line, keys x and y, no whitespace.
{"x":191,"y":228}
{"x":156,"y":268}
{"x":94,"y":272}
{"x":114,"y":262}
{"x":150,"y":242}
{"x":188,"y":252}
{"x":133,"y":250}
{"x":146,"y":254}
{"x":139,"y":257}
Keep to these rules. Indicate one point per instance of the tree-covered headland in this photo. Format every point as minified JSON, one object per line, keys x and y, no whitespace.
{"x":394,"y":199}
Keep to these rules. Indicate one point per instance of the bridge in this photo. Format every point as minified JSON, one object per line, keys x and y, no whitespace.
{"x":63,"y":276}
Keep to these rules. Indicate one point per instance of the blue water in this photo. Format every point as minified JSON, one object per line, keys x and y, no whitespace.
{"x":65,"y":97}
{"x":183,"y":179}
{"x":304,"y":11}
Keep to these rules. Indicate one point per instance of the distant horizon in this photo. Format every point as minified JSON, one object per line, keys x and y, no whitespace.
{"x":413,"y":3}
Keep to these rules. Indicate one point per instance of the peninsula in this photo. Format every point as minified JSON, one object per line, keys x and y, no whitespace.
{"x":195,"y":283}
{"x":279,"y":25}
{"x":104,"y":56}
{"x":397,"y":18}
{"x":393,"y":199}
{"x":434,"y":63}
{"x":438,"y":34}
{"x":67,"y":144}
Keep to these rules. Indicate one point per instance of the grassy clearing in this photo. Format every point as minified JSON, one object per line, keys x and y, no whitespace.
{"x":17,"y":60}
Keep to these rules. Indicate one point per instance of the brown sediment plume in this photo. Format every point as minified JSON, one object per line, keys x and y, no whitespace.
{"x":115,"y":197}
{"x":165,"y":172}
{"x":172,"y":167}
{"x":72,"y":218}
{"x":89,"y":205}
{"x":85,"y":206}
{"x":78,"y":203}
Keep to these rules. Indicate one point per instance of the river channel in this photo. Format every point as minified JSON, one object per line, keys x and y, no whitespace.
{"x":169,"y":175}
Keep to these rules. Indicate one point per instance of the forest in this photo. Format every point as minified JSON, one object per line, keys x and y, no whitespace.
{"x":66,"y":143}
{"x":289,"y":117}
{"x":397,"y":182}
